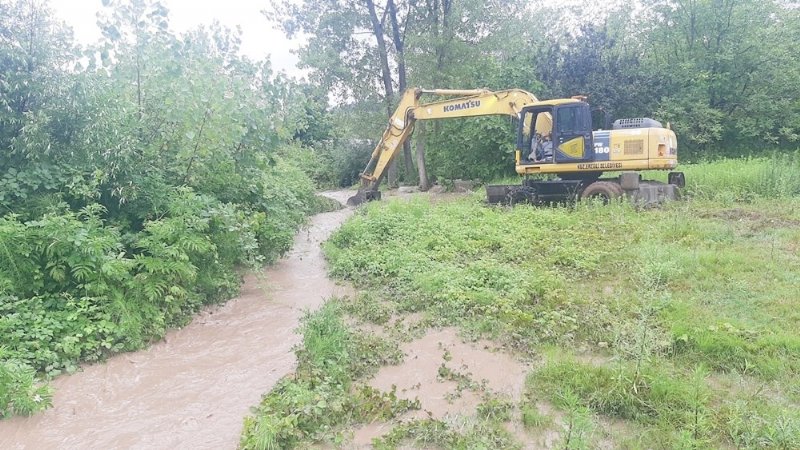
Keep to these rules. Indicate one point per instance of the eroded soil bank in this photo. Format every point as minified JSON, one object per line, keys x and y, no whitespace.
{"x":193,"y":389}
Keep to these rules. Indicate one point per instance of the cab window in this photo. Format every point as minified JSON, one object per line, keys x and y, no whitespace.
{"x":567,"y":120}
{"x":572,"y":120}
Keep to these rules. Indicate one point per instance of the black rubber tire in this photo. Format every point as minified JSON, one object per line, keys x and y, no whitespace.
{"x":602,"y":190}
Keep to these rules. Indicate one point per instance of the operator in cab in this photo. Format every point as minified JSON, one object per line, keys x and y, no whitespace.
{"x":541,"y":148}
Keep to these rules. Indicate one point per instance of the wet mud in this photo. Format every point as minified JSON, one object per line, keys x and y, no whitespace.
{"x":435,"y":370}
{"x":193,"y":389}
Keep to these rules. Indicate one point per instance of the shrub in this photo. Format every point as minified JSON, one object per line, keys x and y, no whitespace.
{"x":19,"y":391}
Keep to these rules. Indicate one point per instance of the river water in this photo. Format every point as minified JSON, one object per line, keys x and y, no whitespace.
{"x":192,"y":389}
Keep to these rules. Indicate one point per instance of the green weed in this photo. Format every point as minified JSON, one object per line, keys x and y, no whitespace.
{"x":744,"y":179}
{"x":20,"y":391}
{"x":532,"y":418}
{"x":321,"y":398}
{"x":432,"y":433}
{"x":673,"y":294}
{"x":578,"y":424}
{"x":368,"y":307}
{"x":650,"y":395}
{"x":495,"y":409}
{"x":752,"y":424}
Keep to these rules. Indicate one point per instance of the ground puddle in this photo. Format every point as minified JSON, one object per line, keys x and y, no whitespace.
{"x":430,"y":372}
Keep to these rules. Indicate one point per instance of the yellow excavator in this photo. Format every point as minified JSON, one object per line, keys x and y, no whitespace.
{"x":554,"y":137}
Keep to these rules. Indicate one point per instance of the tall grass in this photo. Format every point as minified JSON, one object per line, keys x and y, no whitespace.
{"x":735,"y":179}
{"x":743,"y":179}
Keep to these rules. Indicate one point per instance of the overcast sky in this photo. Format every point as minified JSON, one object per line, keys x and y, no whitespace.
{"x":259,"y":38}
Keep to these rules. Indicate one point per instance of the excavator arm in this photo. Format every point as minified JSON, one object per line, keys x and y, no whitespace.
{"x":456,"y":104}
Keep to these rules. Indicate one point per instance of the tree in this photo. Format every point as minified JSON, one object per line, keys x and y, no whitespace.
{"x":355,"y":50}
{"x":34,"y":127}
{"x":597,"y":63}
{"x":470,"y":44}
{"x":729,"y":65}
{"x":132,"y":189}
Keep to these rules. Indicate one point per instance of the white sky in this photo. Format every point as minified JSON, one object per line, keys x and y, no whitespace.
{"x":259,"y":36}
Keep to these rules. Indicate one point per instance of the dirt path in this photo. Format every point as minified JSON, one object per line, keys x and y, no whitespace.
{"x":193,"y":389}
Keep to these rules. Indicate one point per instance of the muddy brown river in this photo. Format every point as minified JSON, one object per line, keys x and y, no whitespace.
{"x":193,"y":389}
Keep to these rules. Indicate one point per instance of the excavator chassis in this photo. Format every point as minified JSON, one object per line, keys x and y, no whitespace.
{"x":628,"y":185}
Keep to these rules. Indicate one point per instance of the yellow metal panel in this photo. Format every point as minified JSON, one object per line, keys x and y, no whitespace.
{"x":603,"y":166}
{"x":574,"y":148}
{"x":625,"y":143}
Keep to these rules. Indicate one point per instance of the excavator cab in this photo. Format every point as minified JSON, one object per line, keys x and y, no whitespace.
{"x":556,"y":132}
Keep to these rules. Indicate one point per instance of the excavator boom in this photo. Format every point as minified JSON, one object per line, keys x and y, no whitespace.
{"x":456,"y":104}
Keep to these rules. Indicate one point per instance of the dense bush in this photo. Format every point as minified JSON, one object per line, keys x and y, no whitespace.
{"x":132,"y":188}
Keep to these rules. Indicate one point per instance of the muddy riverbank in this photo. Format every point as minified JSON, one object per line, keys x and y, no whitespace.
{"x":192,"y":389}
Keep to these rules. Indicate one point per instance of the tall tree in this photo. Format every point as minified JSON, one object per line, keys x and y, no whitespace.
{"x":356,"y":50}
{"x":730,"y":66}
{"x":398,"y":39}
{"x":35,"y":50}
{"x":470,"y":44}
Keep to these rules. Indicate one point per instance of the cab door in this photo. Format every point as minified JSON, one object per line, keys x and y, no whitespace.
{"x":573,"y":133}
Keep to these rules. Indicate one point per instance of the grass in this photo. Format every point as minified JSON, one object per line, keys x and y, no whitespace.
{"x":667,"y":328}
{"x":321,"y":398}
{"x":732,"y":180}
{"x":672,"y":299}
{"x":431,"y":433}
{"x":650,"y":395}
{"x":532,"y":418}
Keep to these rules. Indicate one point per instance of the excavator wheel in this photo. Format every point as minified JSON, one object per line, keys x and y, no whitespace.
{"x":605,"y":191}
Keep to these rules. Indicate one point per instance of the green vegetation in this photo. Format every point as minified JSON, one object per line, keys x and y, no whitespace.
{"x":137,"y":178}
{"x":19,"y":392}
{"x":140,"y":175}
{"x":722,"y":73}
{"x":744,"y":180}
{"x":321,"y":398}
{"x":430,"y":433}
{"x":679,"y":321}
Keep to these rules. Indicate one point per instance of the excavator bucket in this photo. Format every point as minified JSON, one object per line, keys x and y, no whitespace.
{"x":363,"y":195}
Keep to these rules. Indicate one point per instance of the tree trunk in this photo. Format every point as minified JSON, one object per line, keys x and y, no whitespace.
{"x":424,"y":183}
{"x":398,"y":39}
{"x":441,"y":24}
{"x":386,"y":75}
